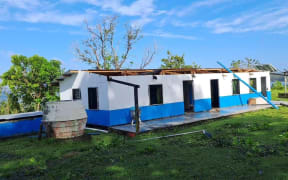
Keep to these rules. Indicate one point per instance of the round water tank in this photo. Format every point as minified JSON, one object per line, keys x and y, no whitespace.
{"x":64,"y":119}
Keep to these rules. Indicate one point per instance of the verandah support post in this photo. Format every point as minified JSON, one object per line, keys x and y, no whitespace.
{"x":254,"y":90}
{"x":136,"y":109}
{"x":285,"y":81}
{"x":136,"y":86}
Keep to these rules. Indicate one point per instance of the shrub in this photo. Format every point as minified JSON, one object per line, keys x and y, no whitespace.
{"x":277,"y":85}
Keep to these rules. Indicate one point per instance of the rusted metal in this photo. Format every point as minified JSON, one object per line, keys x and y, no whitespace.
{"x":133,"y":72}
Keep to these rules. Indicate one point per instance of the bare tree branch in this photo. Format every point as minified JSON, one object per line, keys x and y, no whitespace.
{"x":132,"y":36}
{"x":148,"y":56}
{"x":99,"y":48}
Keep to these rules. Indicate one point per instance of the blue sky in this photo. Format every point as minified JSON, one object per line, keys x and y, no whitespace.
{"x":206,"y":31}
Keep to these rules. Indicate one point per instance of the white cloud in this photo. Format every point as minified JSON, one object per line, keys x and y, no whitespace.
{"x":144,"y":9}
{"x":195,"y":5}
{"x":141,"y":21}
{"x":137,"y":8}
{"x":22,"y":4}
{"x":273,"y":19}
{"x":184,"y":24}
{"x":55,"y":17}
{"x":40,"y":11}
{"x":44,"y":11}
{"x":177,"y":23}
{"x":170,"y":35}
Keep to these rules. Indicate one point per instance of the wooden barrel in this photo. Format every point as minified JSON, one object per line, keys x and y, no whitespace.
{"x":64,"y":119}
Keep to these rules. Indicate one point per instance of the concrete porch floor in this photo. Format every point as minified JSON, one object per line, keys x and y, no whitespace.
{"x":188,"y":118}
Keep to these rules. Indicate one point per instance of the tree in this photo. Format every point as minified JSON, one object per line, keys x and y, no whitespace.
{"x":172,"y":61}
{"x":100,"y":50}
{"x":277,"y":85}
{"x":247,"y":63}
{"x":236,"y":63}
{"x":193,"y":65}
{"x":28,"y":80}
{"x":176,"y":62}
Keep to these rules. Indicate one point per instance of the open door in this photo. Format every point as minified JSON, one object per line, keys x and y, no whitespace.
{"x":263,"y":86}
{"x":214,"y":93}
{"x":188,"y":96}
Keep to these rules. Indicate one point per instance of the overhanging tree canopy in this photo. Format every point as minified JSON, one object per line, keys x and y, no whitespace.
{"x":29,"y":81}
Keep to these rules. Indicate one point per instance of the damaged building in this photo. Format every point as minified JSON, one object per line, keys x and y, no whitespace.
{"x":109,"y":95}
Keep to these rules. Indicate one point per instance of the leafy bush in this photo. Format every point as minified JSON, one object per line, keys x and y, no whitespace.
{"x":277,"y":85}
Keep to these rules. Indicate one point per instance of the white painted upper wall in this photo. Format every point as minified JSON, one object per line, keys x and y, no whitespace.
{"x":123,"y":96}
{"x":118,"y":96}
{"x":83,"y":81}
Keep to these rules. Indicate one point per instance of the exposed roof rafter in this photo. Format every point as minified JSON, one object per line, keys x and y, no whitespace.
{"x":135,"y":72}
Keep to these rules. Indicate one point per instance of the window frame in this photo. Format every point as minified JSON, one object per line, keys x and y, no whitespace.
{"x":252,"y":86}
{"x":162,"y":97}
{"x":97,"y":98}
{"x":238,"y":87}
{"x":74,"y":95}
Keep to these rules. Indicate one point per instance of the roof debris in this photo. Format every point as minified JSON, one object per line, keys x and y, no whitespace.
{"x":134,"y":72}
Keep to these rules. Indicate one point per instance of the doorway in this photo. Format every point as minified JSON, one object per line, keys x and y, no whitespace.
{"x":214,"y":85}
{"x":188,"y":95}
{"x":263,"y":86}
{"x":92,"y":98}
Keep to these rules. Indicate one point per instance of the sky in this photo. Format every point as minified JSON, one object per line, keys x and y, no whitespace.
{"x":205,"y":31}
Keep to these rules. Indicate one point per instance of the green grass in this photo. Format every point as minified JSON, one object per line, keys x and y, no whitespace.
{"x":248,"y":146}
{"x":275,"y":93}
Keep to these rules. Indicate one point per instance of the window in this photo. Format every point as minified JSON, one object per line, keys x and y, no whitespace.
{"x":253,"y":83}
{"x":76,"y":94}
{"x":93,"y":98}
{"x":156,"y":94}
{"x":236,"y":86}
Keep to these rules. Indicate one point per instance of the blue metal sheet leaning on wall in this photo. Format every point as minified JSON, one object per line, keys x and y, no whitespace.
{"x":20,"y":124}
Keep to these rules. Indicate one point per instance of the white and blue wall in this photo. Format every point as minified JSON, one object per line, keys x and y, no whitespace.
{"x":116,"y":100}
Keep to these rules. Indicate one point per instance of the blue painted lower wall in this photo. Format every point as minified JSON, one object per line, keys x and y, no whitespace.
{"x":123,"y":116}
{"x":19,"y":127}
{"x":202,"y":105}
{"x":98,"y":117}
{"x":161,"y":111}
{"x":238,"y":100}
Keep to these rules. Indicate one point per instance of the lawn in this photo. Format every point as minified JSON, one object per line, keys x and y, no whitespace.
{"x":275,"y":93}
{"x":252,"y":145}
